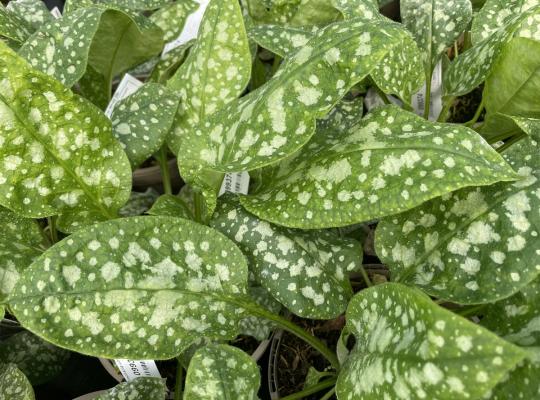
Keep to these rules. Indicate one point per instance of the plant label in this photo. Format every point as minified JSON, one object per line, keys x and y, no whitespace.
{"x":128,"y":85}
{"x":419,"y":99}
{"x":235,"y":182}
{"x":133,"y":369}
{"x":56,"y":13}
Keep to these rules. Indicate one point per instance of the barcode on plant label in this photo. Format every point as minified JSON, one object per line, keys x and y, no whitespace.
{"x":191,"y":28}
{"x":133,"y":369}
{"x":128,"y":85}
{"x":435,"y":104}
{"x":235,"y":182}
{"x":56,"y":13}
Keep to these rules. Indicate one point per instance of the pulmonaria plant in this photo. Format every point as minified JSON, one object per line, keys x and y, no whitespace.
{"x":273,"y":88}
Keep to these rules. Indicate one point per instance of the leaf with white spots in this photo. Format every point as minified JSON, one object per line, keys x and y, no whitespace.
{"x":34,"y":12}
{"x":169,"y":63}
{"x":172,"y":18}
{"x":367,"y":9}
{"x":139,"y":203}
{"x":58,"y":153}
{"x":512,"y":87}
{"x":38,"y":360}
{"x":137,"y":288}
{"x":277,"y":119}
{"x":280,"y":40}
{"x":60,"y":48}
{"x":20,"y":241}
{"x":475,"y":245}
{"x":218,"y":372}
{"x":13,"y":384}
{"x":73,"y":5}
{"x":305,"y":271}
{"x":391,"y":162}
{"x":472,"y":67}
{"x":260,"y":328}
{"x":435,"y":24}
{"x":172,"y":206}
{"x":521,"y":383}
{"x":138,"y":389}
{"x":135,"y":4}
{"x":142,"y":121}
{"x":13,"y":27}
{"x":407,"y":347}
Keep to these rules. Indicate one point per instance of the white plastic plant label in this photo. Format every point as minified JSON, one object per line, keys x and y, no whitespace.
{"x":56,"y":13}
{"x":235,"y":182}
{"x":191,"y":28}
{"x":419,"y":99}
{"x":372,"y":100}
{"x":128,"y":85}
{"x":133,"y":369}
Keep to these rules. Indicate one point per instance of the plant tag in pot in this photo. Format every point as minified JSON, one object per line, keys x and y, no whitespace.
{"x":418,"y":99}
{"x":235,"y":182}
{"x":133,"y":369}
{"x":56,"y":13}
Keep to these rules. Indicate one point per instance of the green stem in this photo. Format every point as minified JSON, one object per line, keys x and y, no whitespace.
{"x":52,"y":229}
{"x":365,"y":276}
{"x":256,"y":310}
{"x":456,"y":50}
{"x":329,"y":394}
{"x":448,"y":103}
{"x":476,"y":114}
{"x":471,"y":310}
{"x":46,"y":238}
{"x":161,"y":157}
{"x":276,"y":64}
{"x":427,"y":100}
{"x":512,"y":141}
{"x":310,"y":390}
{"x":198,"y":204}
{"x":178,"y":382}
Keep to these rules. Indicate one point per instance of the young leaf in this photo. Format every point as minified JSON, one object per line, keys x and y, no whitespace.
{"x":172,"y":18}
{"x":34,"y":12}
{"x":139,"y":287}
{"x":20,"y":240}
{"x":13,"y":27}
{"x":219,"y":372}
{"x":38,"y":360}
{"x":142,"y":121}
{"x":59,"y":155}
{"x":512,"y":87}
{"x":407,"y":347}
{"x":259,"y":129}
{"x":172,"y":206}
{"x":260,"y":328}
{"x":307,"y":272}
{"x":13,"y":384}
{"x":472,"y":246}
{"x":435,"y":24}
{"x":358,"y":175}
{"x":140,"y":388}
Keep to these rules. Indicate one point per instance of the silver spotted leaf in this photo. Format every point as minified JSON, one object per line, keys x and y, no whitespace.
{"x":435,"y":24}
{"x":522,"y":382}
{"x":139,"y":203}
{"x":219,"y":371}
{"x":307,"y":272}
{"x":137,"y":288}
{"x":512,"y":87}
{"x":169,"y":63}
{"x":407,"y":347}
{"x":34,"y":12}
{"x":281,"y":40}
{"x":13,"y":384}
{"x":73,"y":5}
{"x":135,"y":4}
{"x":391,"y":162}
{"x":171,"y":206}
{"x":142,"y":121}
{"x":367,"y":9}
{"x":60,"y":47}
{"x":58,"y":152}
{"x":13,"y":27}
{"x":138,"y":389}
{"x":497,"y":13}
{"x":260,"y":328}
{"x":20,"y":244}
{"x":38,"y":360}
{"x":294,"y":13}
{"x":277,"y":119}
{"x":172,"y":17}
{"x":475,"y":245}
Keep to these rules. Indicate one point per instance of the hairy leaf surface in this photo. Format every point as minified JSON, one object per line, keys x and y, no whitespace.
{"x":391,"y":162}
{"x":305,"y":271}
{"x":58,"y":152}
{"x":408,"y":347}
{"x":139,"y":287}
{"x":140,"y":388}
{"x":13,"y":384}
{"x":221,"y":372}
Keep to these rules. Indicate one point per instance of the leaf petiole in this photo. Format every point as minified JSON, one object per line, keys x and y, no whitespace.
{"x":312,"y":389}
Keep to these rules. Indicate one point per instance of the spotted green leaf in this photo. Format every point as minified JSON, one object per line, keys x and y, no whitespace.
{"x":169,"y":63}
{"x":58,"y":152}
{"x":475,"y":245}
{"x":368,"y":9}
{"x":20,"y":241}
{"x":260,"y":328}
{"x":38,"y":360}
{"x":73,"y":5}
{"x":142,"y":121}
{"x":172,"y":206}
{"x":136,"y":4}
{"x":172,"y":18}
{"x":391,"y":162}
{"x":34,"y":12}
{"x":305,"y":271}
{"x":277,"y":119}
{"x":219,"y":372}
{"x":497,"y":13}
{"x":13,"y":27}
{"x":140,"y":388}
{"x":407,"y":347}
{"x":60,"y":48}
{"x":521,"y":383}
{"x":280,"y":40}
{"x":13,"y":384}
{"x":435,"y":24}
{"x":139,"y":287}
{"x":512,"y":87}
{"x":139,"y":203}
